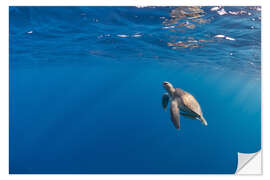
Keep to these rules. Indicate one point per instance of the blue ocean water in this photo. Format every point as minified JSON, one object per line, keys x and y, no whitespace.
{"x":86,"y":87}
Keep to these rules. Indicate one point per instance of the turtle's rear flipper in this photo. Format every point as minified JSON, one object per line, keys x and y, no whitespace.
{"x":187,"y":115}
{"x":200,"y":118}
{"x":204,"y":121}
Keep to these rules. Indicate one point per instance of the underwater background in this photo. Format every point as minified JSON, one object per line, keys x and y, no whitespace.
{"x":86,"y":88}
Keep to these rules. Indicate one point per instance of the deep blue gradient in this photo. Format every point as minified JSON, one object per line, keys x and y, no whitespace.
{"x":86,"y":87}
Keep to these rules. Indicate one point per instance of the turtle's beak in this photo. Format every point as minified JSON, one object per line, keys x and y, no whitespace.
{"x":165,"y":83}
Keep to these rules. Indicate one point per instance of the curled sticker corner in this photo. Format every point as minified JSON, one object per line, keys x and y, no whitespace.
{"x":249,"y":163}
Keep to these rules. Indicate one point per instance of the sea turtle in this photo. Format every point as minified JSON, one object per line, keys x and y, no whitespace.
{"x":181,"y":102}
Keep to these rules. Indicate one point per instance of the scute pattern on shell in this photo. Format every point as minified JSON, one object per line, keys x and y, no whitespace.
{"x":188,"y":101}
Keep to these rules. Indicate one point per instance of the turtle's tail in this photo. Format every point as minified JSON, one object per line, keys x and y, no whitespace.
{"x":204,"y":121}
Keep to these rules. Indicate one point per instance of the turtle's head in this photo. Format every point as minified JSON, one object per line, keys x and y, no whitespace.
{"x":168,"y":86}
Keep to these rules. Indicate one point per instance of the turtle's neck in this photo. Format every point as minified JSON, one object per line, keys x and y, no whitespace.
{"x":171,"y":91}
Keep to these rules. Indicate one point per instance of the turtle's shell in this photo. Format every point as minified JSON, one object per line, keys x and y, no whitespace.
{"x":187,"y":102}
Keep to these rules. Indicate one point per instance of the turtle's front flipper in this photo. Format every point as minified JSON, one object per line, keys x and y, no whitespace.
{"x":175,"y":114}
{"x":165,"y":100}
